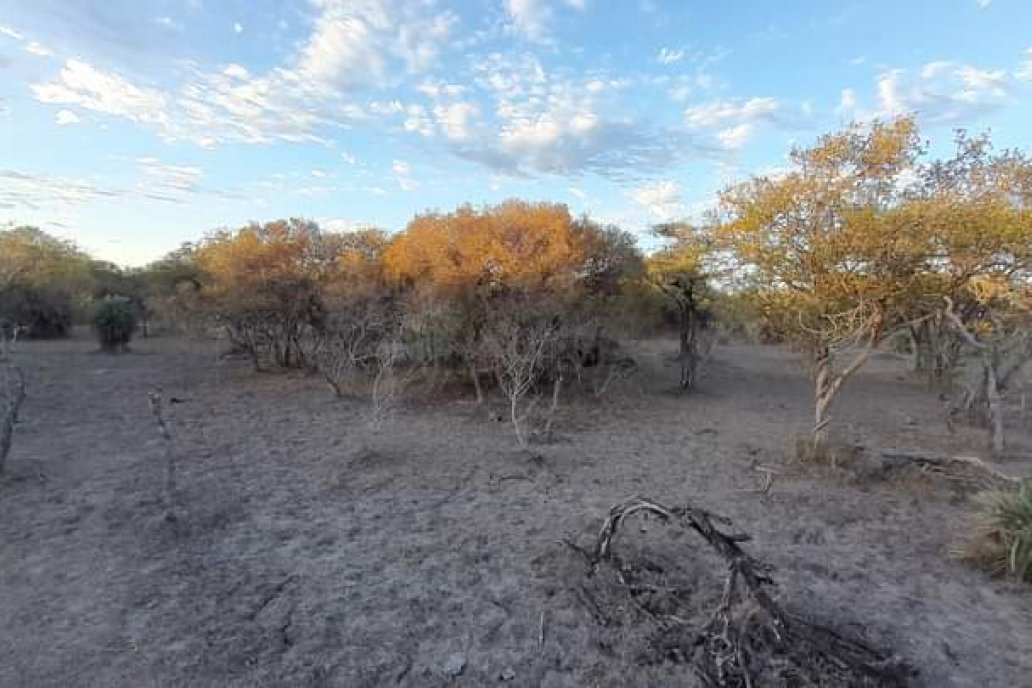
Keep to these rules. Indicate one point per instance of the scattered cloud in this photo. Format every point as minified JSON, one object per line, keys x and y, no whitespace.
{"x":984,"y":4}
{"x":1025,"y":69}
{"x":8,"y":32}
{"x":167,"y":182}
{"x":940,"y":92}
{"x":348,"y":157}
{"x":87,"y":87}
{"x":36,"y":48}
{"x":662,"y":199}
{"x":36,"y":191}
{"x":238,"y":28}
{"x":734,"y":122}
{"x":532,"y":19}
{"x":66,"y":117}
{"x":403,"y":176}
{"x":354,"y":45}
{"x":669,"y":57}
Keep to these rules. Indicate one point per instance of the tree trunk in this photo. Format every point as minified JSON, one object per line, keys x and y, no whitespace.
{"x":514,"y":401}
{"x":823,"y":392}
{"x":476,"y":383}
{"x":992,"y":393}
{"x":557,"y":387}
{"x":687,"y":349}
{"x":924,"y":351}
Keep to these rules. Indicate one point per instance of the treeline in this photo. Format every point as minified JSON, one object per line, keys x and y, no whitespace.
{"x":860,"y":239}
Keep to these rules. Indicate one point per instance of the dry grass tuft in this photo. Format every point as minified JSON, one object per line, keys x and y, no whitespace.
{"x":834,"y":454}
{"x":1000,"y":540}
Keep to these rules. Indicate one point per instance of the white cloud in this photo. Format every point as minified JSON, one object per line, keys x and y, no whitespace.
{"x":735,"y":122}
{"x":984,"y":4}
{"x":403,"y":175}
{"x":339,"y":224}
{"x":940,"y":92}
{"x":736,"y":136}
{"x":83,"y":85}
{"x":10,"y":33}
{"x":31,"y":191}
{"x":238,"y":28}
{"x":354,"y":45}
{"x":455,"y":119}
{"x":37,"y":48}
{"x":532,"y":19}
{"x":723,"y":112}
{"x":663,"y":199}
{"x":318,"y":174}
{"x":1025,"y":69}
{"x":669,"y":57}
{"x":348,"y":157}
{"x":66,"y":117}
{"x":164,"y":181}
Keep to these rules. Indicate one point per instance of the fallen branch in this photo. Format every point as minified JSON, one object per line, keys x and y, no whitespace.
{"x":953,"y":467}
{"x":748,"y":637}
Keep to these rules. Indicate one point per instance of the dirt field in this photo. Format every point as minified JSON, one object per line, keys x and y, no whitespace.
{"x":301,"y":561}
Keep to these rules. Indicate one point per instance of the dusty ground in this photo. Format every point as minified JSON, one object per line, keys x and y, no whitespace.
{"x":300,"y":561}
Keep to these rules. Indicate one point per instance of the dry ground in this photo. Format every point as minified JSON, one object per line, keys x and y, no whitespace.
{"x":300,"y":561}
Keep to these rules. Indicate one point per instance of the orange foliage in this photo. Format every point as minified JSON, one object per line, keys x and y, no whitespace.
{"x":518,"y":244}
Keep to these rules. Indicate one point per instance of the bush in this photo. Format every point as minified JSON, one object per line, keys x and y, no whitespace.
{"x":47,"y":313}
{"x":1001,"y":538}
{"x":114,"y":322}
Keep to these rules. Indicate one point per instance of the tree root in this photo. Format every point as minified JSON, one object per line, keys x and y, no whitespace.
{"x":749,"y":639}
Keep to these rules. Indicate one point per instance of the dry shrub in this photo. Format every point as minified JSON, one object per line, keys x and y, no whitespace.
{"x":829,"y":453}
{"x":1000,"y":538}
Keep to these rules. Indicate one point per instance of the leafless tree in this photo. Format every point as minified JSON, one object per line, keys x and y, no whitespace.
{"x":1003,"y":348}
{"x":519,"y":353}
{"x":350,"y":346}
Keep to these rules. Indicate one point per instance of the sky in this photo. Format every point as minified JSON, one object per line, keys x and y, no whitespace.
{"x":131,"y":126}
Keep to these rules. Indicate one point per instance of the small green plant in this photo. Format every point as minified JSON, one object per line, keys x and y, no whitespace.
{"x":114,"y":321}
{"x":1001,"y":537}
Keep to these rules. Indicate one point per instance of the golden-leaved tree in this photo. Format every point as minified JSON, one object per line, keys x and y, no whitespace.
{"x":830,"y":263}
{"x":268,"y":283}
{"x":977,"y":208}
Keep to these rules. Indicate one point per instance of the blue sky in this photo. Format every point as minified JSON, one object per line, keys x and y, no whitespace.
{"x":131,"y":126}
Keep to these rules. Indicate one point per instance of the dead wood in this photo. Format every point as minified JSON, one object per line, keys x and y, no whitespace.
{"x":965,"y":469}
{"x":157,"y":407}
{"x":749,"y":640}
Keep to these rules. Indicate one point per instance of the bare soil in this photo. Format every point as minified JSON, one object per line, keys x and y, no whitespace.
{"x":309,"y":553}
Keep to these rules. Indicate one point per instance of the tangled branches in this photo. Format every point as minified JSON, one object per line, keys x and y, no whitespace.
{"x":749,"y":639}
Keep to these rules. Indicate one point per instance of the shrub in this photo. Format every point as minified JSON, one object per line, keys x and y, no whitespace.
{"x":47,"y":313}
{"x":114,"y":322}
{"x":1001,"y":537}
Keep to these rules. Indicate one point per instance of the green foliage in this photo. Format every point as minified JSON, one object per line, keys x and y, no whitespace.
{"x":1001,"y":537}
{"x":114,"y":321}
{"x":43,"y":281}
{"x":48,"y":312}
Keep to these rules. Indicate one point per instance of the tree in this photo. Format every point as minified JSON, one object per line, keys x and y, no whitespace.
{"x":679,"y":273}
{"x":829,"y":264}
{"x":268,"y":284}
{"x":462,"y":266}
{"x":44,"y":281}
